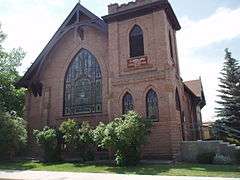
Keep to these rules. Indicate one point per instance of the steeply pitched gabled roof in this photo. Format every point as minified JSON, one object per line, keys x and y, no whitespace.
{"x":195,"y":86}
{"x":73,"y":20}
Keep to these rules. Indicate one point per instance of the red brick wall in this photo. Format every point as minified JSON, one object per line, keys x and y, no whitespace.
{"x":112,"y":53}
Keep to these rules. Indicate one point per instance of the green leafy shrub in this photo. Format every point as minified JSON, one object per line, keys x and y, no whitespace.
{"x":70,"y":131}
{"x":13,"y":135}
{"x":50,"y":141}
{"x":86,"y":141}
{"x":78,"y":138}
{"x":206,"y":158}
{"x":124,"y":136}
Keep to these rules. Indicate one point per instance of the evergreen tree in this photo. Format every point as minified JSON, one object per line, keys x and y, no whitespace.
{"x":228,"y":112}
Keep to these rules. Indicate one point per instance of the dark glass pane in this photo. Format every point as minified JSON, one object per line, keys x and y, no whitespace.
{"x":152,"y":105}
{"x":136,"y":42}
{"x":136,"y":31}
{"x":83,"y":85}
{"x":170,"y":43}
{"x":127,"y":103}
{"x":177,"y":99}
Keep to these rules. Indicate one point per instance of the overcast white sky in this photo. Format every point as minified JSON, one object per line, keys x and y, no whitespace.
{"x":208,"y":27}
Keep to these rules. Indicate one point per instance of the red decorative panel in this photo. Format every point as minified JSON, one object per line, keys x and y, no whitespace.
{"x":137,"y":62}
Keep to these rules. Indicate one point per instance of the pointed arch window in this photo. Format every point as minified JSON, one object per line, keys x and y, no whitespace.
{"x":170,"y":44}
{"x":83,"y":85}
{"x":127,"y":103}
{"x":152,"y":105}
{"x":136,"y":42}
{"x":177,"y":99}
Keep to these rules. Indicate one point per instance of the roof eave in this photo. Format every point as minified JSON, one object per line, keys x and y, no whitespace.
{"x":199,"y":99}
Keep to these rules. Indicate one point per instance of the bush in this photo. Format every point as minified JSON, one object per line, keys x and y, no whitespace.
{"x":78,"y":138}
{"x":206,"y":158}
{"x":221,"y":159}
{"x":50,"y":140}
{"x":86,"y":141}
{"x":70,"y":131}
{"x":124,"y":136}
{"x":13,"y":135}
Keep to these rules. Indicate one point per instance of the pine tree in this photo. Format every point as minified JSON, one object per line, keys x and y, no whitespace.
{"x":228,"y":112}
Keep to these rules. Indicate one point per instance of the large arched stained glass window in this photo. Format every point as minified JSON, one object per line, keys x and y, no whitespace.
{"x":127,"y":103}
{"x":136,"y":42}
{"x":152,"y":105}
{"x":83,"y":85}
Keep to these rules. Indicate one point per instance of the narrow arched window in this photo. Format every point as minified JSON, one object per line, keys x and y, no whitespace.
{"x":152,"y":105}
{"x":170,"y":44}
{"x":83,"y":85}
{"x":127,"y":103}
{"x":177,"y":100}
{"x":136,"y":42}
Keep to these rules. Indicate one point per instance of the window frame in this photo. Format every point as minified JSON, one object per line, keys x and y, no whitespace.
{"x":177,"y":101}
{"x":97,"y":78}
{"x":123,"y":103}
{"x":147,"y":105}
{"x":136,"y":42}
{"x":171,"y":44}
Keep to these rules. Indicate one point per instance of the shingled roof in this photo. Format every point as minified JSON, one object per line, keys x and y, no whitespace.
{"x":195,"y":86}
{"x":197,"y":89}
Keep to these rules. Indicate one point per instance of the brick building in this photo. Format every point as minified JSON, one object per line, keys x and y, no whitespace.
{"x":95,"y":69}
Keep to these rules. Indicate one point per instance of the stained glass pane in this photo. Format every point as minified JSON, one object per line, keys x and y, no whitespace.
{"x":83,"y":85}
{"x":127,"y":103}
{"x":152,"y":105}
{"x":136,"y":42}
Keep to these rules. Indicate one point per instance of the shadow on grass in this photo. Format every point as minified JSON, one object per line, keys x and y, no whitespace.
{"x":212,"y":168}
{"x":179,"y":169}
{"x":183,"y":169}
{"x":23,"y":165}
{"x":140,"y":169}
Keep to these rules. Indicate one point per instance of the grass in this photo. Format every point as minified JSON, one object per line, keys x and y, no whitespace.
{"x":166,"y":170}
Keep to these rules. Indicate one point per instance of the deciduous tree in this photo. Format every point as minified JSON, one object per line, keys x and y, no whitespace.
{"x":12,"y":99}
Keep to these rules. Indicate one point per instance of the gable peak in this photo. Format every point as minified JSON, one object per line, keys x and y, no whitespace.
{"x":79,"y":14}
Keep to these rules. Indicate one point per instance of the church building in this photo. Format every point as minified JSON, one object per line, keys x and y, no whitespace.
{"x":95,"y":69}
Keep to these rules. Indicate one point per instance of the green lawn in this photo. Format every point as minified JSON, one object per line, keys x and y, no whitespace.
{"x":168,"y":170}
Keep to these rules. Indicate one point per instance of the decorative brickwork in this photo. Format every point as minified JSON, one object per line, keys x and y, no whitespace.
{"x":114,"y":8}
{"x":138,"y":62}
